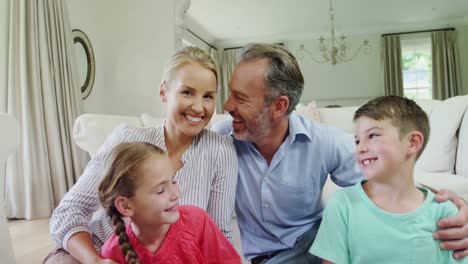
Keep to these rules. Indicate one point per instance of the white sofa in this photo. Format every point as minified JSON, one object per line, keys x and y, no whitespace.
{"x":9,"y":139}
{"x":444,"y":163}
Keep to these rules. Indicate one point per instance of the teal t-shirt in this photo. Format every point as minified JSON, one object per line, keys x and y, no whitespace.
{"x":355,"y":230}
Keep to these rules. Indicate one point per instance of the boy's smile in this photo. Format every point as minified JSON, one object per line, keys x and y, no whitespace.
{"x":380,"y":151}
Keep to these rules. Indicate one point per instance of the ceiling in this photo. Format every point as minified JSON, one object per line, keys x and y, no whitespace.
{"x":225,"y":22}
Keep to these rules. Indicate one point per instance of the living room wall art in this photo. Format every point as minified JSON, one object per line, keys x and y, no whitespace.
{"x":85,"y":61}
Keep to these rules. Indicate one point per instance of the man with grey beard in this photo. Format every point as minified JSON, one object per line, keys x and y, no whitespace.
{"x":284,"y":160}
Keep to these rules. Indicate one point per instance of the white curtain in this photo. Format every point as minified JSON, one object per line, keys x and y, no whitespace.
{"x":44,"y":96}
{"x":446,"y":78}
{"x":228,"y":62}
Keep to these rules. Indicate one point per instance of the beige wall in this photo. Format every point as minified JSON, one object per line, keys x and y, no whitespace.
{"x":463,"y":51}
{"x":131,"y":41}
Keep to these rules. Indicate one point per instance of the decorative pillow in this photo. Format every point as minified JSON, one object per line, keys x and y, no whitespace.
{"x":149,"y":121}
{"x":341,"y":117}
{"x":309,"y":111}
{"x":91,"y":130}
{"x":440,"y":152}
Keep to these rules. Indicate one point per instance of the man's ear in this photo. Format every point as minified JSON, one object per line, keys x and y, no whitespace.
{"x":163,"y":92}
{"x":415,"y":141}
{"x":280,"y":106}
{"x":124,"y":206}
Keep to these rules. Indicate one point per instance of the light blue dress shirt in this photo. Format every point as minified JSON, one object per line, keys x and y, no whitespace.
{"x":276,"y":204}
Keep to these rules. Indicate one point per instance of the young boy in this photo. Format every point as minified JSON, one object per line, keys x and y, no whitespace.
{"x":385,"y":218}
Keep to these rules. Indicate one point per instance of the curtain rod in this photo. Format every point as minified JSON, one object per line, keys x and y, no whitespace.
{"x":233,"y":48}
{"x":281,"y":44}
{"x":420,"y":31}
{"x":204,"y":41}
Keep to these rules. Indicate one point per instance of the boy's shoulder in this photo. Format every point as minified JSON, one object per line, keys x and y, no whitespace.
{"x":345,"y":197}
{"x":440,"y":209}
{"x":348,"y":193}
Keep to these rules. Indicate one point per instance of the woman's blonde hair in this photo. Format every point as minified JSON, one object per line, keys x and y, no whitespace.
{"x":186,"y":56}
{"x":120,"y":179}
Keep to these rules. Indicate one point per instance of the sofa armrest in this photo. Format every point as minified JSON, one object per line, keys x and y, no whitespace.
{"x":461,"y":164}
{"x":91,"y":130}
{"x":9,"y":140}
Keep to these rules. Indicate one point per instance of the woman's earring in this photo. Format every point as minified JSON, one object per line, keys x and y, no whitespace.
{"x":162,"y":92}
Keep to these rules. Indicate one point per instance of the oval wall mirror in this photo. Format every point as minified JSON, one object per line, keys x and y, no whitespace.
{"x":85,"y":61}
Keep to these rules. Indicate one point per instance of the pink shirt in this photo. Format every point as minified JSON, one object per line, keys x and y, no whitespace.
{"x":194,"y":238}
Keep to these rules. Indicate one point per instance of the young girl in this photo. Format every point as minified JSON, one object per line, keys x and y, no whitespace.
{"x":139,"y":183}
{"x":205,"y":162}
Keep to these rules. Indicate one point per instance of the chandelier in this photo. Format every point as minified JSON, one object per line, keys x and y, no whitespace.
{"x":334,"y":50}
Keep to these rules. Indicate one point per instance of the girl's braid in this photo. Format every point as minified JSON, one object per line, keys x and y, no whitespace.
{"x":120,"y":232}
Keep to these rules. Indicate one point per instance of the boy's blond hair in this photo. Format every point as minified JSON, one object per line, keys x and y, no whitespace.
{"x":403,"y":113}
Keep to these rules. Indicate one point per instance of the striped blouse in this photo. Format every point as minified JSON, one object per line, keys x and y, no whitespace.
{"x":208,"y":180}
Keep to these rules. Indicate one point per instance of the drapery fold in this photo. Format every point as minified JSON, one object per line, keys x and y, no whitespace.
{"x":392,"y":65}
{"x":446,"y":78}
{"x":44,"y":96}
{"x":228,"y":62}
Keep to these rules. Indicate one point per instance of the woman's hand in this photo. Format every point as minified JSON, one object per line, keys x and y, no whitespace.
{"x":81,"y":247}
{"x":454,"y":229}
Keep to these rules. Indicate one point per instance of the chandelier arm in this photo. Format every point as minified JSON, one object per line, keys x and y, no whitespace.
{"x":332,"y":21}
{"x":344,"y":59}
{"x":302,"y":50}
{"x":333,"y":50}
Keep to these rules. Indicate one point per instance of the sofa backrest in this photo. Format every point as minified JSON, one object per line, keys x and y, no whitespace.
{"x":91,"y":130}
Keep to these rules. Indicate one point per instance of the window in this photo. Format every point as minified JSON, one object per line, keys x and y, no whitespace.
{"x":417,"y":67}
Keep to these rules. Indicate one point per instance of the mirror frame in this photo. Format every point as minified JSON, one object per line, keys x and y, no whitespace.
{"x":79,"y":36}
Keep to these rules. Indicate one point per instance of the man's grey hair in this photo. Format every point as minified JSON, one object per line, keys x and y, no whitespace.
{"x":283,"y":76}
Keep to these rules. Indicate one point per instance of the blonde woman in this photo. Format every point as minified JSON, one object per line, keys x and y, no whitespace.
{"x":205,"y":162}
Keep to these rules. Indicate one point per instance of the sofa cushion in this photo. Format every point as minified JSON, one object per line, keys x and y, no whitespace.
{"x":445,"y":119}
{"x":427,"y":105}
{"x":91,"y":130}
{"x":341,"y":117}
{"x":309,"y":111}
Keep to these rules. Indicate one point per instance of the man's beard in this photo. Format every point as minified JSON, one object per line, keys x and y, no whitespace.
{"x":258,"y":128}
